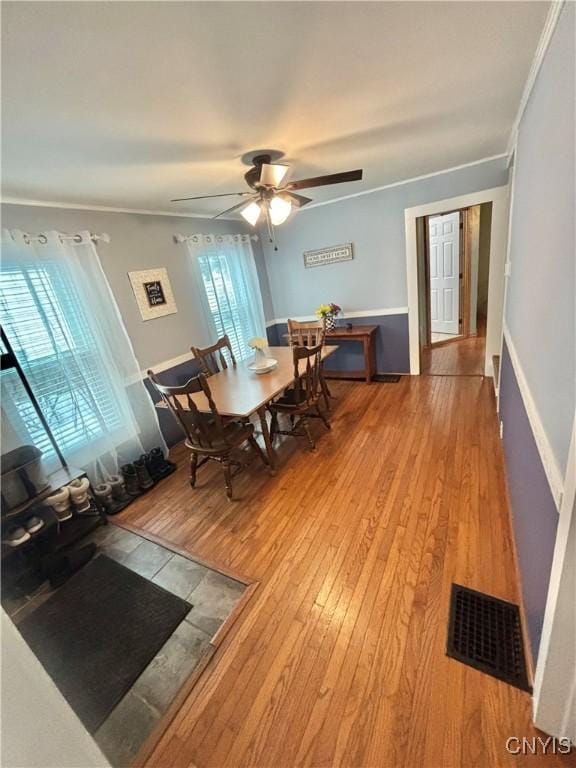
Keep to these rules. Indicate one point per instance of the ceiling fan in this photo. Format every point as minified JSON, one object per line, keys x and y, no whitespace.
{"x":270,"y":198}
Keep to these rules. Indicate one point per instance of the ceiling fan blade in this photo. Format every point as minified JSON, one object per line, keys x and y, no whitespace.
{"x":236,"y":207}
{"x":321,"y":181}
{"x":298,"y":200}
{"x":205,"y":197}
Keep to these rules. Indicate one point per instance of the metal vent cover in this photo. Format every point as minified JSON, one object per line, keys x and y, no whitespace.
{"x":485,"y":633}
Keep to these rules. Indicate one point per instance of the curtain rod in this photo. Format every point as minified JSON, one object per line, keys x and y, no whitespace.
{"x":208,"y":238}
{"x":78,"y":238}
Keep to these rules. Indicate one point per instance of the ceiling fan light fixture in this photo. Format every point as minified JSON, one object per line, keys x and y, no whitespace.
{"x":280,"y":209}
{"x":272,"y":175}
{"x":252,"y":213}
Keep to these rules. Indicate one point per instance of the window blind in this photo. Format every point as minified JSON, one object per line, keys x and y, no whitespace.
{"x":47,"y":325}
{"x":228,"y":300}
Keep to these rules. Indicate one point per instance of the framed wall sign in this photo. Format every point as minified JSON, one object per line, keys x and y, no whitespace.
{"x":328,"y":255}
{"x":153,"y":292}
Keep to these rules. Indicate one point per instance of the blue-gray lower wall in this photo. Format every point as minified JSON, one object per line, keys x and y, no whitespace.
{"x":534,"y":513}
{"x":173,"y":377}
{"x":392,"y":356}
{"x":392,"y":348}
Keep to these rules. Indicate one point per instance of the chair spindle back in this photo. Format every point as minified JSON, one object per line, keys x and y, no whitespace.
{"x":201,"y":429}
{"x":305,"y":334}
{"x":212,"y":359}
{"x":307,"y":361}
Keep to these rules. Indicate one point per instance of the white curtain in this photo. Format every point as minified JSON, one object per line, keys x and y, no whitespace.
{"x":62,"y":320}
{"x":225,"y":269}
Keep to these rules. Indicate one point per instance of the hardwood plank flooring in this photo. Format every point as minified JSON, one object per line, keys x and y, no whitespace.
{"x":339,"y":657}
{"x":462,"y":357}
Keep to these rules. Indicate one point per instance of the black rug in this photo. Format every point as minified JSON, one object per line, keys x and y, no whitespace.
{"x":485,"y":633}
{"x":98,"y":633}
{"x":386,"y":378}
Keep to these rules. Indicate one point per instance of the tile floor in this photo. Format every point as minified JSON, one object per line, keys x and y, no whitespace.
{"x":213,"y":597}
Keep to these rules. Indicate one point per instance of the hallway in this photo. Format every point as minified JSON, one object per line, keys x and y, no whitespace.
{"x":461,"y":357}
{"x":464,"y":357}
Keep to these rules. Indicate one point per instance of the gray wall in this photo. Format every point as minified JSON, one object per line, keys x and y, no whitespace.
{"x":540,"y":307}
{"x":539,"y":313}
{"x":142,"y":242}
{"x":534,"y":517}
{"x":376,"y":278}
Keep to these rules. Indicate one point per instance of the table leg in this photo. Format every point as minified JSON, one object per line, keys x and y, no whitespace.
{"x":270,"y":452}
{"x":372,"y":344}
{"x":367,"y":362}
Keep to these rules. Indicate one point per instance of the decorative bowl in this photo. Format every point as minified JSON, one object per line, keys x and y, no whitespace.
{"x":264,"y":366}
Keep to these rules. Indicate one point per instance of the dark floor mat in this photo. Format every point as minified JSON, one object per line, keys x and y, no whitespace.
{"x":386,"y":378}
{"x":486,"y":634}
{"x":98,"y":632}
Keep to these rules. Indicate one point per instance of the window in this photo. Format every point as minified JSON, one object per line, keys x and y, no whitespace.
{"x":48,"y":328}
{"x":228,"y":300}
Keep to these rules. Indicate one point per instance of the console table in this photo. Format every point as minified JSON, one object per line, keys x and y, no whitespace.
{"x":366,"y":335}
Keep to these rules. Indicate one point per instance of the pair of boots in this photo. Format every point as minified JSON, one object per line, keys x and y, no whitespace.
{"x":157,"y":464}
{"x":137,"y":476}
{"x":111,"y":493}
{"x":145,"y":471}
{"x":73,"y":497}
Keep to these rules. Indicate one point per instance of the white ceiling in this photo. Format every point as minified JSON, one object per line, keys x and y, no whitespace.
{"x":130,"y":104}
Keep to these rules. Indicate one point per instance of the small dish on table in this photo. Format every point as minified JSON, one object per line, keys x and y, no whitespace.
{"x":263,"y":366}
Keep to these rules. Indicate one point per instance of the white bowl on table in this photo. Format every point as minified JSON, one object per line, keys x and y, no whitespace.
{"x":263,"y":366}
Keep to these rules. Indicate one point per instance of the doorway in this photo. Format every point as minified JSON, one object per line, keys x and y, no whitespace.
{"x":453,"y":249}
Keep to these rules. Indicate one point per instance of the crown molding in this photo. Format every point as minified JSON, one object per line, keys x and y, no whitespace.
{"x":543,"y":44}
{"x":108,"y":209}
{"x":147,"y":212}
{"x":404,"y":181}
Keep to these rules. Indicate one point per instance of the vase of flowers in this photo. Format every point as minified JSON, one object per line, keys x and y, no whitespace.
{"x":259,"y":345}
{"x":328,"y":314}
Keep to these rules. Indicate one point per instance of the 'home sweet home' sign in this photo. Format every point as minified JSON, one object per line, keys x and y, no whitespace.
{"x":328,"y":255}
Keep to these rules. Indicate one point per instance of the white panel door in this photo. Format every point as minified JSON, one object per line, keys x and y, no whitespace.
{"x":444,"y":251}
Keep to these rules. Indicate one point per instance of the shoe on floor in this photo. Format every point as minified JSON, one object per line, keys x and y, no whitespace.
{"x":34,"y":524}
{"x":59,"y":567}
{"x":157,"y":464}
{"x":15,"y":536}
{"x":130,"y":479}
{"x":144,"y":479}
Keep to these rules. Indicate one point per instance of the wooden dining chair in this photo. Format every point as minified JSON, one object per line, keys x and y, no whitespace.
{"x":302,"y":401}
{"x":212,"y":359}
{"x":208,"y":435}
{"x":306,"y":334}
{"x":310,"y":334}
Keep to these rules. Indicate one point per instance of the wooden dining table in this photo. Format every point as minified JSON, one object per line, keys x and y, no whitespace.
{"x":238,"y":392}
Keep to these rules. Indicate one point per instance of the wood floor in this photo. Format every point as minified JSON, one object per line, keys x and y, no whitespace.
{"x":338,"y":658}
{"x":462,"y":357}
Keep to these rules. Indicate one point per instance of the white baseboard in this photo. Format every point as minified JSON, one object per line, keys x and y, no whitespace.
{"x":347,"y":315}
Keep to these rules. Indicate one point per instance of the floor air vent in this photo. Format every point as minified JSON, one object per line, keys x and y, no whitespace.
{"x":486,"y":634}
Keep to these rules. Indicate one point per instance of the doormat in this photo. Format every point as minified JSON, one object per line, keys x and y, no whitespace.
{"x":485,"y":633}
{"x":97,"y":634}
{"x":387,"y":378}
